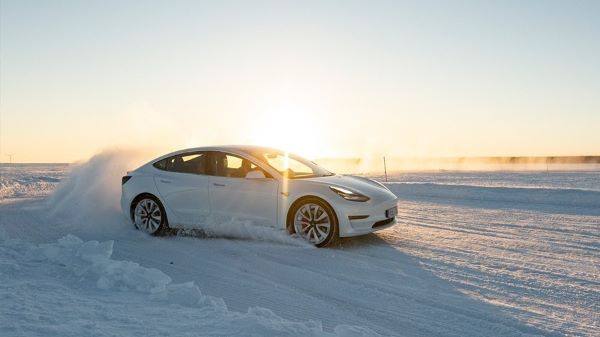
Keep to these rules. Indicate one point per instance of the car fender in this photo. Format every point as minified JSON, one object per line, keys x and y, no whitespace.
{"x":141,"y":183}
{"x":301,"y":189}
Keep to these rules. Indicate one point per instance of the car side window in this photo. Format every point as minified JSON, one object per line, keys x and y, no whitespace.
{"x":194,"y":163}
{"x":161,"y":164}
{"x":229,"y":165}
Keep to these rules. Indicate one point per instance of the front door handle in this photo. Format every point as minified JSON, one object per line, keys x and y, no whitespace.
{"x":217,"y":184}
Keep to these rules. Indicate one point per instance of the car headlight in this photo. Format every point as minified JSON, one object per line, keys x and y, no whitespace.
{"x":348,"y":194}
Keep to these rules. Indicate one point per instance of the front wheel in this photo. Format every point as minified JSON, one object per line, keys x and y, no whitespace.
{"x":315,"y":221}
{"x":149,"y":216}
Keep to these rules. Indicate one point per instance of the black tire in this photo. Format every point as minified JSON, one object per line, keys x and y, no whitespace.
{"x":151,"y":217}
{"x":333,"y":234}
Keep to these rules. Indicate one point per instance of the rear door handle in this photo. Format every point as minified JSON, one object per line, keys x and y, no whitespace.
{"x":217,"y":184}
{"x":165,"y":181}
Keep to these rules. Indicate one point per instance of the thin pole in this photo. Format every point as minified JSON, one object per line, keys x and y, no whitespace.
{"x":385,"y":169}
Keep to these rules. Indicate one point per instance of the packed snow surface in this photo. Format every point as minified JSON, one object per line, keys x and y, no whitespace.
{"x":474,"y":254}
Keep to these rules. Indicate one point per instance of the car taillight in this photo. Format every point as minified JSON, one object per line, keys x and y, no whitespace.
{"x":125,"y":179}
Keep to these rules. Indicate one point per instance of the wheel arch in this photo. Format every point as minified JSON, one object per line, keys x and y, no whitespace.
{"x":289,"y":224}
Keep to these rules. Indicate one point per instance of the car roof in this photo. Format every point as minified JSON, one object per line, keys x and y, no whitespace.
{"x":235,"y":148}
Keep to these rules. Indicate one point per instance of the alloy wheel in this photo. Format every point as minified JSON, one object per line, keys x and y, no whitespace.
{"x":312,"y":222}
{"x":147,"y":216}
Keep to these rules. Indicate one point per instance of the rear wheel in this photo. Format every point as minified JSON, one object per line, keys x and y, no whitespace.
{"x":149,"y":215}
{"x":315,"y":221}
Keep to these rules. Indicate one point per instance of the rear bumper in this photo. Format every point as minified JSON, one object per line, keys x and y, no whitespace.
{"x":126,"y":200}
{"x":353,"y":222}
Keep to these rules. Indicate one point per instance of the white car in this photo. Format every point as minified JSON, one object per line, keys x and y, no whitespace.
{"x":269,"y":187}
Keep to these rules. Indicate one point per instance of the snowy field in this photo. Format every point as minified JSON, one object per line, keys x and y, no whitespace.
{"x":474,"y":254}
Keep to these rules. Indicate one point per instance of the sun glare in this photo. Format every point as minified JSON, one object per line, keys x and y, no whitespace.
{"x":290,"y":130}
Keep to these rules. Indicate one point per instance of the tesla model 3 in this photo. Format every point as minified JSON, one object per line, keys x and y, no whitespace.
{"x":266,"y":186}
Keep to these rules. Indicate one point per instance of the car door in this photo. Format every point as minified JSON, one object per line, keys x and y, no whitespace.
{"x":232,"y":195}
{"x":183,"y":185}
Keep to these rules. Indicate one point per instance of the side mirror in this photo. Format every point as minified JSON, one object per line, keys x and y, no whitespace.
{"x":255,"y":174}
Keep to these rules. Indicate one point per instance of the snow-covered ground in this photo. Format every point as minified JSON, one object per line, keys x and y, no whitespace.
{"x":474,"y":254}
{"x":29,"y":180}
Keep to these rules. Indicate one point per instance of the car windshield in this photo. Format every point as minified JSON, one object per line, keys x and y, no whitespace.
{"x":289,"y":165}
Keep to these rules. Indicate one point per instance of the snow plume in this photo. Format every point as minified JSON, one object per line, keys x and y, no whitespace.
{"x":71,"y":269}
{"x":90,"y":194}
{"x":224,"y":227}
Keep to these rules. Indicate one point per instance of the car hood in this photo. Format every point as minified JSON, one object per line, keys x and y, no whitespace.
{"x":368,"y":187}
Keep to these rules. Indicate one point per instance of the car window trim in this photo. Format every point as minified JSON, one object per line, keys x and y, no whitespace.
{"x":267,"y":174}
{"x":183,"y":154}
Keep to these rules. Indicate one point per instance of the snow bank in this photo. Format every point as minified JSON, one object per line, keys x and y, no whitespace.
{"x":91,"y":264}
{"x":92,"y":260}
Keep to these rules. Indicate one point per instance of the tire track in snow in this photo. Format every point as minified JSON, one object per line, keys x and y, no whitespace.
{"x":538,"y":266}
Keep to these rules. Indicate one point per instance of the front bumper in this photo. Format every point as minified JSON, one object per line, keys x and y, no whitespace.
{"x":353,"y":222}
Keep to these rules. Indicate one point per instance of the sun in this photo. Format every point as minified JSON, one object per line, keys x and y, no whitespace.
{"x":298,"y":132}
